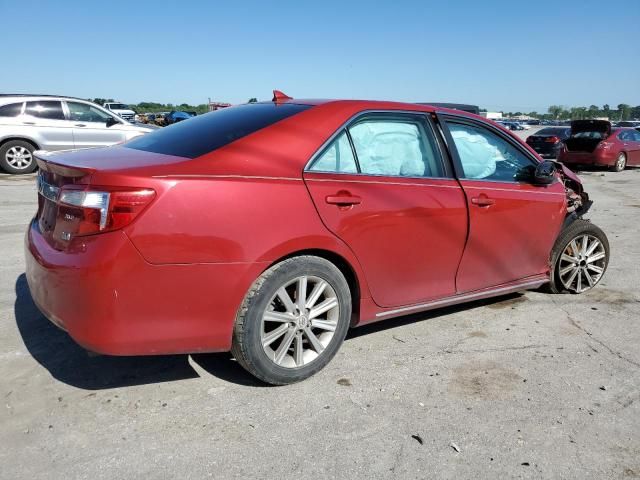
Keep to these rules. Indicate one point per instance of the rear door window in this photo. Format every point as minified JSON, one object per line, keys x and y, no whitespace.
{"x":206,"y":133}
{"x":48,"y":109}
{"x":11,"y":109}
{"x":337,"y":157}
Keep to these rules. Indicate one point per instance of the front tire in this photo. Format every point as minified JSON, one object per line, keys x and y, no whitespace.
{"x":621,"y":162}
{"x":293,"y":320}
{"x":16,"y":156}
{"x":579,"y":258}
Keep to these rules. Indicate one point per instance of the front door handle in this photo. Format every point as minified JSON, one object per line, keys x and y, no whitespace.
{"x":343,"y":199}
{"x":29,"y":123}
{"x":79,"y":125}
{"x":482,"y":200}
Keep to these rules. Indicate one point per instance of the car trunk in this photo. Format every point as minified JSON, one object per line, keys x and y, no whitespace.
{"x":587,"y":134}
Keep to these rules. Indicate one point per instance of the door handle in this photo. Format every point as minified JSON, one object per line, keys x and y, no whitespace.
{"x":29,"y":123}
{"x":79,"y":125}
{"x":343,"y":199}
{"x":482,"y":200}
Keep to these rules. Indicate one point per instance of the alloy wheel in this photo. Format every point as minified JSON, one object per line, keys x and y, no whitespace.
{"x":582,"y":263}
{"x":300,"y":321}
{"x":621,"y":162}
{"x":19,"y":157}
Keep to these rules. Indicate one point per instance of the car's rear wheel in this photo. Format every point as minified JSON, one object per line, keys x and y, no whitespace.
{"x":579,"y":258}
{"x":621,"y":162}
{"x":293,"y":320}
{"x":16,"y":156}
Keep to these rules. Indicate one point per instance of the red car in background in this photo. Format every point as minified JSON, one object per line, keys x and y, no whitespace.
{"x":269,"y":229}
{"x":596,"y":143}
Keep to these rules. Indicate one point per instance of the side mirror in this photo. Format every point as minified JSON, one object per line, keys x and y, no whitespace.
{"x":111,"y":122}
{"x":545,"y":173}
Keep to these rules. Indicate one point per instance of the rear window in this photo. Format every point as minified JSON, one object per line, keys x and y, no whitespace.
{"x":205,"y":133}
{"x":553,"y":131}
{"x":11,"y":110}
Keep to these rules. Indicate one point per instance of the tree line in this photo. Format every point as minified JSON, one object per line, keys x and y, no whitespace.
{"x":559,"y":112}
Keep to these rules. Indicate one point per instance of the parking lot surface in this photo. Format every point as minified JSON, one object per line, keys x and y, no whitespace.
{"x":525,"y":386}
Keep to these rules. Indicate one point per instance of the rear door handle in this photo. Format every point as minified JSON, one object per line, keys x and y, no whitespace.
{"x":343,"y":199}
{"x":79,"y":125}
{"x":29,"y":123}
{"x":483,"y":201}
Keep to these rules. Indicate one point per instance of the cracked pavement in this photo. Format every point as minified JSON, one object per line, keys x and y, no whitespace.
{"x":525,"y":386}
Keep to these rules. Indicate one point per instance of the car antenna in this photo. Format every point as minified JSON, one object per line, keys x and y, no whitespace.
{"x":279,"y":96}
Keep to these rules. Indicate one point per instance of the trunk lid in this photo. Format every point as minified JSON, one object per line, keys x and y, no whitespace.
{"x":587,"y":134}
{"x":600,"y":126}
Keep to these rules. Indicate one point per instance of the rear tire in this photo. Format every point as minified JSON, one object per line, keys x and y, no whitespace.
{"x":621,"y":162}
{"x":282,"y":336}
{"x":579,"y":258}
{"x":16,"y":156}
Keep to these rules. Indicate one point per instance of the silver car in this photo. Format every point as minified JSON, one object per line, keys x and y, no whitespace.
{"x":43,"y":122}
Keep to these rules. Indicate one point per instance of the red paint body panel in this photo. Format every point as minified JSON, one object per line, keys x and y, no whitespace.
{"x":512,"y":238}
{"x":173,"y":280}
{"x":406,"y":231}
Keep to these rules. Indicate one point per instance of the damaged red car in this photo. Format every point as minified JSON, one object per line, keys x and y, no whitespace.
{"x":270,"y":229}
{"x":596,"y":143}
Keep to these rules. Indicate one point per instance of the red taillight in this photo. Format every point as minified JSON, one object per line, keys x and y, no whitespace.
{"x":552,"y":139}
{"x":90,"y":210}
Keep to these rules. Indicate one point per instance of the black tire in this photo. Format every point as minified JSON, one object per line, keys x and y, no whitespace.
{"x":247,"y":346}
{"x":11,"y":146}
{"x":576,"y":230}
{"x":621,"y":162}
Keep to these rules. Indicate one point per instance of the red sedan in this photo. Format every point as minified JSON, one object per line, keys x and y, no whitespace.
{"x":270,"y":229}
{"x":594,"y":142}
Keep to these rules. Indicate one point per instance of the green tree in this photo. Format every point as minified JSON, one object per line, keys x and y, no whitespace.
{"x":252,"y":100}
{"x":624,"y":110}
{"x":593,"y":111}
{"x":606,"y":110}
{"x":555,"y":111}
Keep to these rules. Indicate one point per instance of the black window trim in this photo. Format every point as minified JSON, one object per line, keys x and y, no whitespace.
{"x":443,"y":118}
{"x":440,"y":149}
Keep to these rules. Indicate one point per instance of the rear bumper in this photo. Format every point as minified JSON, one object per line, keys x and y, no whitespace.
{"x":598,"y":157}
{"x":111,"y":301}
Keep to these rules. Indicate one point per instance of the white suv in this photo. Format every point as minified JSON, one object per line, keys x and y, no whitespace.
{"x":45,"y":122}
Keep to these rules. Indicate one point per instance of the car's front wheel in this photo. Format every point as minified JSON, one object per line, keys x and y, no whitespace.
{"x":579,"y":258}
{"x":293,"y":320}
{"x":16,"y":156}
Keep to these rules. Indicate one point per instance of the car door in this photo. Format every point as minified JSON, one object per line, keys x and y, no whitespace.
{"x":512,"y":222}
{"x":51,"y":129}
{"x":380,"y":185}
{"x":90,"y":126}
{"x":632,"y":145}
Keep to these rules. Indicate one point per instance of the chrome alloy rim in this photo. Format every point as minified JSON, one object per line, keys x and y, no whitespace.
{"x":299,"y":321}
{"x":19,"y":157}
{"x":582,"y":263}
{"x":620,"y":162}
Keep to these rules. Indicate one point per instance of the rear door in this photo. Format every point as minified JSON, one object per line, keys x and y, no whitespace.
{"x":51,"y":128}
{"x":512,"y":223}
{"x":90,"y":126}
{"x":631,"y":141}
{"x":380,"y":184}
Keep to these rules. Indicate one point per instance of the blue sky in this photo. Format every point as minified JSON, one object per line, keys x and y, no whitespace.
{"x":509,"y":55}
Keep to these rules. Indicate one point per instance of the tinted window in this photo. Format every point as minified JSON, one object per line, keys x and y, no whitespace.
{"x":11,"y":110}
{"x":399,"y":145}
{"x":487,"y":156}
{"x":560,"y":132}
{"x":337,"y":157}
{"x":205,"y":133}
{"x":45,"y":109}
{"x":81,"y":112}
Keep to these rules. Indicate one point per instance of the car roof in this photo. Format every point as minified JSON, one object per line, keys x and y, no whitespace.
{"x":23,"y":96}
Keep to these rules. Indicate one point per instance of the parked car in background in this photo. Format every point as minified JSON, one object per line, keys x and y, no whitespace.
{"x":548,"y":141}
{"x":595,"y":142}
{"x":122,"y":110}
{"x":175,"y":117}
{"x":46,"y":122}
{"x":269,"y":229}
{"x":628,"y":123}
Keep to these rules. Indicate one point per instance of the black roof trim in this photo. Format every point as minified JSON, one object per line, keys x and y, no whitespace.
{"x":455,"y":106}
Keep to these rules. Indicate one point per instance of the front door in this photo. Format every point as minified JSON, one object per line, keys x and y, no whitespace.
{"x":90,"y":126}
{"x":513,"y":223}
{"x":381,"y":187}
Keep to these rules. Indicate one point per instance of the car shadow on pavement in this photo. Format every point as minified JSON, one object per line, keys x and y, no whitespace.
{"x":69,"y":363}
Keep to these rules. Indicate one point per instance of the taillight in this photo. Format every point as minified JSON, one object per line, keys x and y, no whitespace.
{"x":552,"y":139}
{"x":605,"y":145}
{"x":98,"y":209}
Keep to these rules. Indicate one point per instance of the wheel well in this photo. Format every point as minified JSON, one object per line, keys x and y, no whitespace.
{"x":10,"y":139}
{"x":345,"y":268}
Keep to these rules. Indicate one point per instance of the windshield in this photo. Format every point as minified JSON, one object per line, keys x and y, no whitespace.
{"x":118,"y":106}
